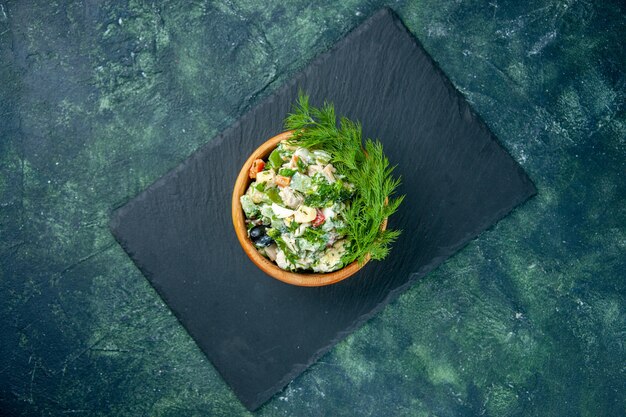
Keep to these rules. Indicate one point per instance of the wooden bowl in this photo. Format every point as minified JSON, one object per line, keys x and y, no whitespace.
{"x":302,"y":279}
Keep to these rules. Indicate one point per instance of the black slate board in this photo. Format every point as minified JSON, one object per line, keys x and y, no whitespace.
{"x":259,"y":332}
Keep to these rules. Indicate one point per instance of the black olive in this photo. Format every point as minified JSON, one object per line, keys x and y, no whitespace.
{"x":263,"y":241}
{"x":256,"y":232}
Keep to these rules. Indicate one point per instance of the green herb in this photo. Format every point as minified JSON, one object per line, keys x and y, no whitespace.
{"x":272,"y":194}
{"x":275,"y":159}
{"x":314,"y":235}
{"x":273,"y":233}
{"x":291,"y":257}
{"x":261,"y":186}
{"x":286,"y":172}
{"x":301,"y":165}
{"x":364,"y":166}
{"x":327,"y":193}
{"x":293,"y":226}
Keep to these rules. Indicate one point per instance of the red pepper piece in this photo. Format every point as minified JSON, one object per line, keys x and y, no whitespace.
{"x":319,"y":218}
{"x":257,"y":166}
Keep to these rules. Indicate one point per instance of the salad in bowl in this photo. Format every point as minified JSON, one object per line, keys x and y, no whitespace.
{"x":295,"y":209}
{"x":310,"y":206}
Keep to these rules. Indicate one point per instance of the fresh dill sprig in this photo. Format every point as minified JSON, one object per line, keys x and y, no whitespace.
{"x":364,"y":166}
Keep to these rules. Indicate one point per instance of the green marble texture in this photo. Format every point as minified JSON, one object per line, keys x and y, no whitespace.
{"x":100,"y":98}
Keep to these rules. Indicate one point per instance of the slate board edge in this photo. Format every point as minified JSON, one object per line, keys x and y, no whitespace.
{"x":393,"y":294}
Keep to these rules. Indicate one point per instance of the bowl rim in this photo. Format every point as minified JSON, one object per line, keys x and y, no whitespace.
{"x":303,"y":279}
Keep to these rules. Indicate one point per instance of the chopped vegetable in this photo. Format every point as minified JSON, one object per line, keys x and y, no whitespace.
{"x":282,"y":181}
{"x":274,"y":195}
{"x":265,"y":176}
{"x":304,"y":214}
{"x":281,"y":212}
{"x":275,"y":159}
{"x":256,"y":167}
{"x":319,"y":218}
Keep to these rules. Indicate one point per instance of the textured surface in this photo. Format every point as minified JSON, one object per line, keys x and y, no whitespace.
{"x":98,"y":100}
{"x":261,"y":333}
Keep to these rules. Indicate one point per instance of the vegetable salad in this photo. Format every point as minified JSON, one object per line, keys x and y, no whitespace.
{"x":295,"y":208}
